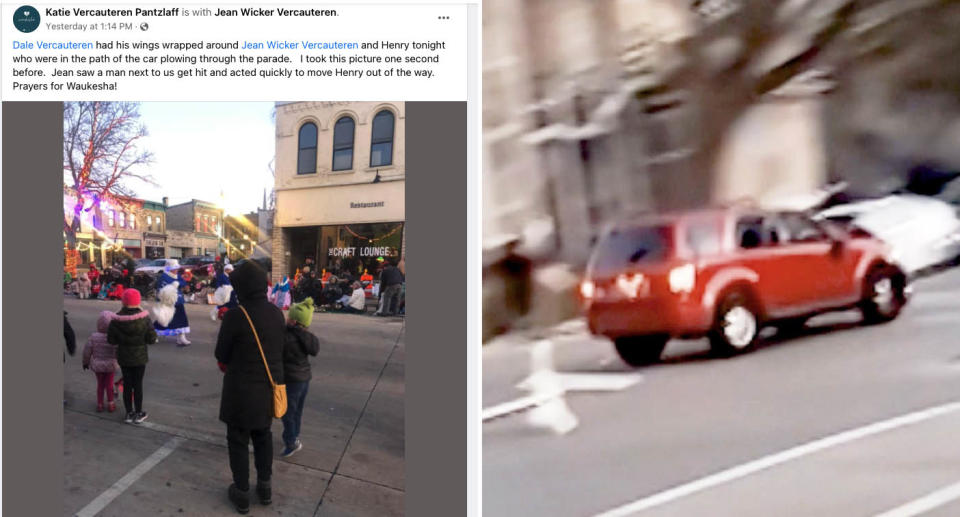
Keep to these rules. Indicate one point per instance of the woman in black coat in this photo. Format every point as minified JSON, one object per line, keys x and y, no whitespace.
{"x":246,"y":404}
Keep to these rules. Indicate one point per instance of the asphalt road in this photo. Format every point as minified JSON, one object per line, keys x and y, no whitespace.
{"x":352,"y":461}
{"x":715,"y":431}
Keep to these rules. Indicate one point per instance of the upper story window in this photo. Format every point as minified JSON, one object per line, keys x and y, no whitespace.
{"x":343,"y":144}
{"x":381,"y":141}
{"x":133,"y":221}
{"x":159,"y":224}
{"x":307,"y":149}
{"x":122,"y":220}
{"x":150,"y":222}
{"x":111,"y":215}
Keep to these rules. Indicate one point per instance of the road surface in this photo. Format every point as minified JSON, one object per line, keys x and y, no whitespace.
{"x":805,"y":426}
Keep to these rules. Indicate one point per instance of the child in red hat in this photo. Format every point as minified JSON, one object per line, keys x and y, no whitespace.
{"x":131,"y":330}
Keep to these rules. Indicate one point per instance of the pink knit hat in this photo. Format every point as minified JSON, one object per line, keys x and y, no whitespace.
{"x":130,"y":298}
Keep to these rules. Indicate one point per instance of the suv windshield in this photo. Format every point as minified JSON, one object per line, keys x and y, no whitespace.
{"x":623,"y":248}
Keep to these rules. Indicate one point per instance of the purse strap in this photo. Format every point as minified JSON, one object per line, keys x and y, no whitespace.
{"x":259,"y":346}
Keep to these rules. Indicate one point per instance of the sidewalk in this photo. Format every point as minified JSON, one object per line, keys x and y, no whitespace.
{"x":352,"y":462}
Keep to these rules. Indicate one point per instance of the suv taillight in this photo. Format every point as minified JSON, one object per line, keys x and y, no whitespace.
{"x":587,"y":289}
{"x":683,"y":278}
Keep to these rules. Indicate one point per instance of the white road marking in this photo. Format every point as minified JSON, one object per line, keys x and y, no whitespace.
{"x":129,"y":478}
{"x":590,"y":381}
{"x":926,"y":503}
{"x":517,"y":405}
{"x":772,"y":460}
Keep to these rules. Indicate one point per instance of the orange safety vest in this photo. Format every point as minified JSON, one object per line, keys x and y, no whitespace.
{"x":367,"y":278}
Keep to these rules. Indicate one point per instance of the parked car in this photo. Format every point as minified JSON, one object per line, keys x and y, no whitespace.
{"x":198,"y":265}
{"x":726,"y":273}
{"x":154,"y":266}
{"x":140,"y":262}
{"x":922,"y":231}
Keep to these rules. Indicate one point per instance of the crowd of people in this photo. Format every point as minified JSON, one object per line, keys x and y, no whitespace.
{"x":107,"y":284}
{"x":342,"y":291}
{"x":257,"y":347}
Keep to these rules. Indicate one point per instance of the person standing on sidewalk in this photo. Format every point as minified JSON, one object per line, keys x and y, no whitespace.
{"x":101,"y":357}
{"x":246,"y":402}
{"x":69,"y":337}
{"x":131,"y":330}
{"x":299,"y":343}
{"x":390,"y":280}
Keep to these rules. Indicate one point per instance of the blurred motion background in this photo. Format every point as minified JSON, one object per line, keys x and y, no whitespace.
{"x":593,"y":108}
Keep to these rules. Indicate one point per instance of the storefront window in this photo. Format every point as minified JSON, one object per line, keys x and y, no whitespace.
{"x":346,"y":248}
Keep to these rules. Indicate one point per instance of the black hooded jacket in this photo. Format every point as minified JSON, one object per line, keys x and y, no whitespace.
{"x":247,"y":398}
{"x":299,"y":344}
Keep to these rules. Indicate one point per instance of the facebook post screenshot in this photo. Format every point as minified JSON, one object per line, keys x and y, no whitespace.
{"x":215,"y":200}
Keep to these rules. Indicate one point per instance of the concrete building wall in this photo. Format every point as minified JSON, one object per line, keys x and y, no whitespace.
{"x":291,"y":117}
{"x":180,"y":217}
{"x":774,"y":152}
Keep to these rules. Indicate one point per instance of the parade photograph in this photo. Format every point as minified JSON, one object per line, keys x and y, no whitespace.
{"x":234,"y":308}
{"x":720,"y":250}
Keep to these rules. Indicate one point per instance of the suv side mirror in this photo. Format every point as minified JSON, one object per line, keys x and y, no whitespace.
{"x":836,"y":245}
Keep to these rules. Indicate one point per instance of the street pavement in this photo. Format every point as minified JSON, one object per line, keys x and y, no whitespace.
{"x":754,"y":435}
{"x":352,"y":461}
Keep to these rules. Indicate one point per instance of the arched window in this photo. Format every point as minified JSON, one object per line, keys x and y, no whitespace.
{"x":343,"y":144}
{"x":381,"y":141}
{"x":307,"y":155}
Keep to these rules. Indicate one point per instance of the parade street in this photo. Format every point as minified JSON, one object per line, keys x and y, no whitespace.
{"x":175,"y":463}
{"x":842,"y":419}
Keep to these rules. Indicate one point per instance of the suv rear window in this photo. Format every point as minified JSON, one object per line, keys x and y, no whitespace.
{"x":624,"y":247}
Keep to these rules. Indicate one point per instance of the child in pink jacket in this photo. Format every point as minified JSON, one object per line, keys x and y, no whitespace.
{"x":101,"y":357}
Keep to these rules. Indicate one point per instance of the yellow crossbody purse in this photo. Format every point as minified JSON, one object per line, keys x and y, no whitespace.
{"x":279,"y":390}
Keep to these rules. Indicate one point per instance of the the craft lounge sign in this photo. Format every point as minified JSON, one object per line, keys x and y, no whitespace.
{"x":368,"y":251}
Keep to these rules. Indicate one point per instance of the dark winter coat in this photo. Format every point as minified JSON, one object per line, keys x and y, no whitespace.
{"x":247,"y":397}
{"x":131,"y":330}
{"x":390,"y":276}
{"x":69,"y":337}
{"x":299,"y":343}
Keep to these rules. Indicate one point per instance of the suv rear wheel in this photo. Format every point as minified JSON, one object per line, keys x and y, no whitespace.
{"x":640,"y":350}
{"x":736,"y":326}
{"x":883,"y":295}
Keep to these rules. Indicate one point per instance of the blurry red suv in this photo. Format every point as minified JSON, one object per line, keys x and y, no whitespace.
{"x":726,"y":273}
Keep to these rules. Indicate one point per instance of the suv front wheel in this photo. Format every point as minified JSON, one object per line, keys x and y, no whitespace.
{"x":640,"y":350}
{"x":883,"y":295}
{"x":736,"y":326}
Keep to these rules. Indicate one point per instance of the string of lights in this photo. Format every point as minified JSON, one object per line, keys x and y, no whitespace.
{"x":369,"y":239}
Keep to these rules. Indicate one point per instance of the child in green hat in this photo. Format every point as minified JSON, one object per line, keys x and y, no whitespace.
{"x":299,"y":343}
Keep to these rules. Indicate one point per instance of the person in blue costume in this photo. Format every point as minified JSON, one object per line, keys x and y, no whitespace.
{"x":170,"y":315}
{"x":225,"y":296}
